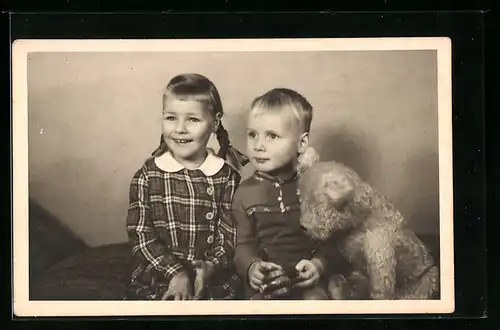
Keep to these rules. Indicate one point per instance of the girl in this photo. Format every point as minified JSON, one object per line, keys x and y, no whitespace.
{"x":179,"y":222}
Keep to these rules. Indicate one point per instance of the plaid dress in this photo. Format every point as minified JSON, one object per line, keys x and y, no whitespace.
{"x":177,"y":215}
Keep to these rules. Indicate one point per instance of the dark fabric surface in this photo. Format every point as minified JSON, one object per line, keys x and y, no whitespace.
{"x":100,"y":273}
{"x":47,"y":236}
{"x":49,"y":241}
{"x":103,"y":273}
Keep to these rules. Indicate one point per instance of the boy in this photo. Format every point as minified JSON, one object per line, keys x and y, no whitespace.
{"x":266,"y":206}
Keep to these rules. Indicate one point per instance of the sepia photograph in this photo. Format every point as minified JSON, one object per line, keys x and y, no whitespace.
{"x":232,"y":177}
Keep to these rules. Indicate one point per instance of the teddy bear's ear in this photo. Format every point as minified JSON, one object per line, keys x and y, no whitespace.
{"x":307,"y":159}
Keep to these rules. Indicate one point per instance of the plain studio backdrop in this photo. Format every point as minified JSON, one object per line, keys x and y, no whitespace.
{"x":95,"y":117}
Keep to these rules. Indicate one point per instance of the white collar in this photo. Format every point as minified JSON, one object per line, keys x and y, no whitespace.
{"x":210,"y":166}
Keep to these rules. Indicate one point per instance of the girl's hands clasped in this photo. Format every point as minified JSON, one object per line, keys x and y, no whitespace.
{"x":182,"y":287}
{"x":179,"y":288}
{"x":204,"y":271}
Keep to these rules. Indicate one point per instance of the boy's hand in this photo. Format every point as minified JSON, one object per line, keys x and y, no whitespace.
{"x":179,"y":288}
{"x":204,"y":270}
{"x":310,"y":272}
{"x":276,"y":284}
{"x":258,"y":271}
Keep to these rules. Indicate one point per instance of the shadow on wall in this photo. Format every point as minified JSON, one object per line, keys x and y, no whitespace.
{"x":423,"y":209}
{"x":355,"y":149}
{"x":349,"y":147}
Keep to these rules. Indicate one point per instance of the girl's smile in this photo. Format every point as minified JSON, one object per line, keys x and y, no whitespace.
{"x":181,"y":141}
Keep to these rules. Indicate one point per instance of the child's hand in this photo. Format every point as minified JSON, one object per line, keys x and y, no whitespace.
{"x":204,"y":270}
{"x":179,"y":288}
{"x":258,"y":271}
{"x":310,"y":272}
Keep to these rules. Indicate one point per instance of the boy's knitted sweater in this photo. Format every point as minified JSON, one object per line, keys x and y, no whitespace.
{"x":267,"y":215}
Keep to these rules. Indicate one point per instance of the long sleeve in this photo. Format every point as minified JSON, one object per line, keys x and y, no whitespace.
{"x":225,"y":235}
{"x":141,"y":232}
{"x":246,"y":251}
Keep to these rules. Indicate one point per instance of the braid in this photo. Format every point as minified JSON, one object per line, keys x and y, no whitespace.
{"x":224,"y":143}
{"x":227,"y":151}
{"x":162,"y":148}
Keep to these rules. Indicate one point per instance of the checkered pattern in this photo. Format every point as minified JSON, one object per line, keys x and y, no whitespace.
{"x":176,"y":217}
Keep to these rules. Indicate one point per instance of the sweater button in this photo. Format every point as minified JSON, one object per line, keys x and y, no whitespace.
{"x":209,"y":216}
{"x":210,"y":191}
{"x":210,"y":239}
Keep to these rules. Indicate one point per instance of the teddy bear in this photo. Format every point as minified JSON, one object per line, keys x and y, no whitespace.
{"x":388,"y":260}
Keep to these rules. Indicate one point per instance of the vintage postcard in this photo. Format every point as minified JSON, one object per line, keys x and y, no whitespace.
{"x":173,"y":177}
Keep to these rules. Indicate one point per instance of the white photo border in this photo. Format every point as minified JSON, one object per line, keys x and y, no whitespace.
{"x":22,"y":306}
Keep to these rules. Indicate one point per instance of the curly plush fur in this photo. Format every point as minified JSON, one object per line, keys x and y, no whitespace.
{"x":389,"y":260}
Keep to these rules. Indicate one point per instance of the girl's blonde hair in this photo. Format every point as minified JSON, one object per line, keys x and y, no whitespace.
{"x":196,"y":87}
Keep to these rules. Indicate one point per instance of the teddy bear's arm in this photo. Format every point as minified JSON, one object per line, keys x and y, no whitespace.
{"x":380,"y":263}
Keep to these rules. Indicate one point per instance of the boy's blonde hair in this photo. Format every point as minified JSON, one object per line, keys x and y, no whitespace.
{"x":286,"y":98}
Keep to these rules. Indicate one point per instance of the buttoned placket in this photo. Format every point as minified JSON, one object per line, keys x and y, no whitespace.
{"x":280,"y":198}
{"x":278,"y":185}
{"x":209,"y":216}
